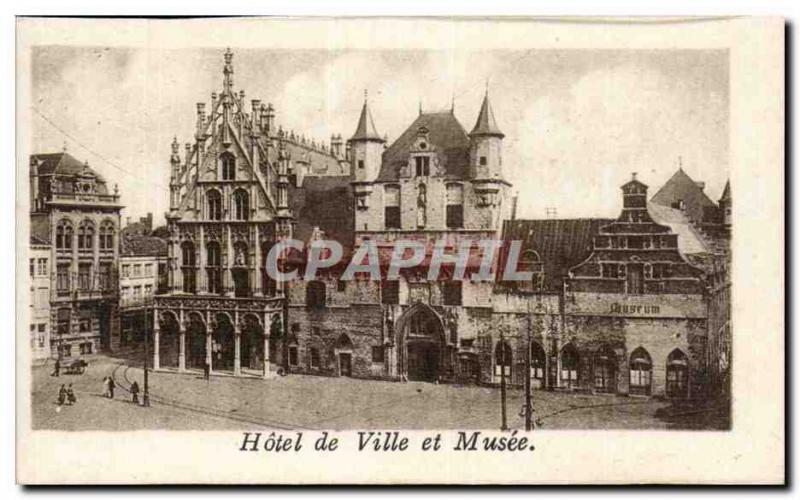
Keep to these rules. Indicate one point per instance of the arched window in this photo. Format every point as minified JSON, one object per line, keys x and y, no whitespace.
{"x":240,"y":271}
{"x":107,"y":236}
{"x":455,"y":206}
{"x":605,"y":370}
{"x":241,"y":205}
{"x":677,"y":374}
{"x":315,"y":295}
{"x":214,"y":205}
{"x":228,"y":166}
{"x":502,"y":359}
{"x":86,"y":236}
{"x":188,"y":267}
{"x":213,"y":267}
{"x":641,"y":368}
{"x":538,"y":361}
{"x":64,"y":236}
{"x":570,"y":360}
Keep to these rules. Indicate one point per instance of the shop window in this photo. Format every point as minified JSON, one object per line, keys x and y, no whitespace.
{"x":538,"y":360}
{"x":569,"y":366}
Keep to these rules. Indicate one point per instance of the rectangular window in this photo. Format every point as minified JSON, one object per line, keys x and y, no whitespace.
{"x":126,"y":270}
{"x":377,"y":354}
{"x":451,"y":293}
{"x":148,"y":270}
{"x":482,"y":161}
{"x":360,"y":163}
{"x":314,"y":357}
{"x":62,"y":277}
{"x":42,"y":297}
{"x":33,"y":335}
{"x":391,"y":211}
{"x":455,"y":206}
{"x":390,"y":292}
{"x":31,"y":267}
{"x":126,"y":291}
{"x":293,"y":355}
{"x":41,"y":334}
{"x":85,"y":276}
{"x":66,"y":350}
{"x":137,"y":291}
{"x":85,"y":325}
{"x":422,"y":166}
{"x":41,"y":267}
{"x":341,"y":285}
{"x":137,"y":270}
{"x":148,"y":290}
{"x":610,"y":270}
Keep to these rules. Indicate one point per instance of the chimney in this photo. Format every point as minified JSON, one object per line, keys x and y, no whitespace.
{"x":270,"y":117}
{"x":701,"y":185}
{"x":256,"y":106}
{"x":201,"y":118}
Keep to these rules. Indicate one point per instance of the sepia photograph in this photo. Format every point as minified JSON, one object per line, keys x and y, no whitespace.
{"x":261,"y":238}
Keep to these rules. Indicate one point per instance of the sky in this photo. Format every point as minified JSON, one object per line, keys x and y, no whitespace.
{"x":577,"y":123}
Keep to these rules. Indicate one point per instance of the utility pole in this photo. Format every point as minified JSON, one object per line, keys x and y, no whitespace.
{"x":528,"y":402}
{"x":503,"y":360}
{"x":146,"y":394}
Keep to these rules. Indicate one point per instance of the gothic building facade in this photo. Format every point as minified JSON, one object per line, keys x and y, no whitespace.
{"x":614,"y":305}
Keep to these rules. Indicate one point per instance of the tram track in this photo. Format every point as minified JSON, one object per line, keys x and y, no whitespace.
{"x":201,"y":409}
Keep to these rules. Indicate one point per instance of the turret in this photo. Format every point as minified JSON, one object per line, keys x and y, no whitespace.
{"x":634,"y":201}
{"x":725,"y":204}
{"x":486,"y":158}
{"x":366,"y":148}
{"x":175,"y":173}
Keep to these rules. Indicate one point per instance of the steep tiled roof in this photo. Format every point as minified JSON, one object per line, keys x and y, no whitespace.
{"x":681,"y":187}
{"x":689,"y":240}
{"x":143,"y":245}
{"x":560,"y":243}
{"x":446,"y":137}
{"x":325,"y":202}
{"x":66,"y":164}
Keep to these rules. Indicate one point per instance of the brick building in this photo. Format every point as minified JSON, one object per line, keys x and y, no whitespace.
{"x":74,"y":213}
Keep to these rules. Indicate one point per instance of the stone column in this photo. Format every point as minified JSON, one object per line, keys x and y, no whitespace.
{"x":156,"y":340}
{"x":267,"y":372}
{"x":182,"y":349}
{"x":257,"y":284}
{"x":237,"y":350}
{"x":209,"y":342}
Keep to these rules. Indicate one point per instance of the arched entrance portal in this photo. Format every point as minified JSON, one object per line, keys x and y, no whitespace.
{"x":196,"y":340}
{"x":423,"y":336}
{"x":169,"y":341}
{"x":222,"y":345}
{"x":252,"y":344}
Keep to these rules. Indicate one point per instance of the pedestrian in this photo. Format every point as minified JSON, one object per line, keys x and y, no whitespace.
{"x":71,"y":399}
{"x":105,"y":387}
{"x":56,"y":368}
{"x":111,"y":386}
{"x":62,"y":395}
{"x":135,"y":392}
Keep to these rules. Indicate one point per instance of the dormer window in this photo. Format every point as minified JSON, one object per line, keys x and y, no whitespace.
{"x":422,"y":166}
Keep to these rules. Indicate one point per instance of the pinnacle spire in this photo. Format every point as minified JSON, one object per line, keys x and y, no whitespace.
{"x":366,"y":131}
{"x":726,"y":193}
{"x":486,"y":124}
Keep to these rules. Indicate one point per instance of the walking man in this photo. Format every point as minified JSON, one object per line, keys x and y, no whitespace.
{"x":71,"y":399}
{"x":135,"y":392}
{"x":111,"y":386}
{"x":56,"y":368}
{"x":62,"y":395}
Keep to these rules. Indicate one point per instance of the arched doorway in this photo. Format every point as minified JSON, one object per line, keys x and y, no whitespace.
{"x":196,"y":343}
{"x":570,"y":360}
{"x":423,"y":334}
{"x":222,"y":344}
{"x":538,"y":361}
{"x":252,"y":344}
{"x":641,"y":369}
{"x":344,"y":355}
{"x":677,"y":375}
{"x":168,"y":341}
{"x":605,"y":370}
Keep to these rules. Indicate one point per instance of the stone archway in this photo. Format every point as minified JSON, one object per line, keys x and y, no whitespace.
{"x":195,"y":342}
{"x":421,"y":337}
{"x":169,"y":349}
{"x":223,"y":344}
{"x":252,"y":343}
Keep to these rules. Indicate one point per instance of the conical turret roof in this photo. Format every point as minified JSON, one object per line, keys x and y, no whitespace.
{"x":726,"y":193}
{"x":486,"y":124}
{"x":366,"y":131}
